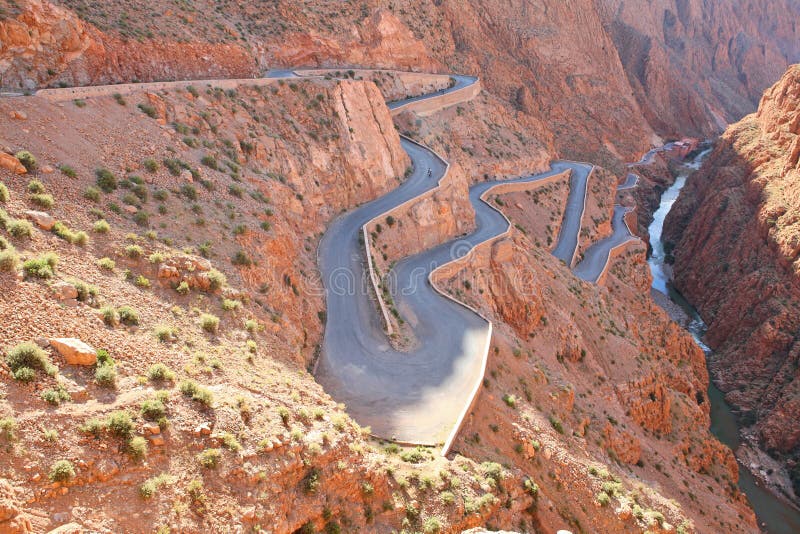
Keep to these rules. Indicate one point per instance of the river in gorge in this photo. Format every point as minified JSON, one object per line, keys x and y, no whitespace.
{"x":775,"y":516}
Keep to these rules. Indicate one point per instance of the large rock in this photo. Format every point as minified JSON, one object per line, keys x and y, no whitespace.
{"x":74,"y":351}
{"x":69,"y":528}
{"x":12,"y":164}
{"x":64,"y":291}
{"x":43,"y":220}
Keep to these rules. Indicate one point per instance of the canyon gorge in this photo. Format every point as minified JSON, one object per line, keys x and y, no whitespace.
{"x":382,"y":266}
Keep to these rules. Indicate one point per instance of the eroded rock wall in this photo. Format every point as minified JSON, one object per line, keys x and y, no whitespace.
{"x":735,"y":231}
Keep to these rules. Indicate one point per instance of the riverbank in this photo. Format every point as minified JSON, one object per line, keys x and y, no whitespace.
{"x":760,"y":477}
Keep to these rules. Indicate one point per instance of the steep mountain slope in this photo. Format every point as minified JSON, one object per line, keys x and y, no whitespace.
{"x":603,"y":75}
{"x":736,"y":237}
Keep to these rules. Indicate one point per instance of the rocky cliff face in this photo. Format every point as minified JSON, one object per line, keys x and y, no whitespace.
{"x":736,"y":233}
{"x":694,"y":65}
{"x":603,"y":76}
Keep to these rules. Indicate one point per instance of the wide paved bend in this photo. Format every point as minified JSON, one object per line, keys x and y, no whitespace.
{"x":598,"y":255}
{"x":408,"y":396}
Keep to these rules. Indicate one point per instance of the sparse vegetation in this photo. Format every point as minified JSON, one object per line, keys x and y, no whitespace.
{"x":209,"y":323}
{"x":106,"y":180}
{"x":101,"y":226}
{"x":128,"y":315}
{"x":209,"y":458}
{"x":27,"y":159}
{"x":159,"y":372}
{"x":62,"y":471}
{"x":196,"y":392}
{"x":41,"y":267}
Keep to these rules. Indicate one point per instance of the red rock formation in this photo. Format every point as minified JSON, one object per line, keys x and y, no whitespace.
{"x":736,"y":229}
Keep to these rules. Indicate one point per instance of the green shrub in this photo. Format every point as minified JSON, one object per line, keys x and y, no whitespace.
{"x":196,"y":392}
{"x":8,"y":429}
{"x":148,"y":110}
{"x":35,"y":186}
{"x":137,"y":448}
{"x":230,"y":442}
{"x":161,"y":195}
{"x":242,"y":259}
{"x":119,"y":99}
{"x":55,"y":396}
{"x":142,"y":218}
{"x":432,"y":525}
{"x":42,"y":200}
{"x":189,"y":192}
{"x":9,"y":260}
{"x":134,"y":251}
{"x":68,"y":171}
{"x":67,"y":234}
{"x":160,"y":372}
{"x":415,"y":456}
{"x":510,"y":400}
{"x":153,"y":409}
{"x":24,"y":374}
{"x":93,"y":426}
{"x":209,"y":458}
{"x":128,"y":315}
{"x":175,"y":166}
{"x":109,"y":315}
{"x":92,"y":193}
{"x":27,"y":159}
{"x":164,"y":333}
{"x":209,"y":323}
{"x":62,"y":471}
{"x":106,"y":180}
{"x":107,"y":264}
{"x":152,"y":485}
{"x":182,"y":288}
{"x":101,"y":226}
{"x":119,"y":424}
{"x":19,"y":228}
{"x":106,"y":376}
{"x":4,"y":196}
{"x":231,"y":305}
{"x":41,"y":267}
{"x":210,"y":162}
{"x":142,"y":282}
{"x":150,"y":165}
{"x":29,"y":355}
{"x":216,"y":279}
{"x":86,"y":292}
{"x":311,"y":481}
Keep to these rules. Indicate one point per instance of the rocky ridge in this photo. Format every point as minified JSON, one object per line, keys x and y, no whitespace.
{"x":735,"y":235}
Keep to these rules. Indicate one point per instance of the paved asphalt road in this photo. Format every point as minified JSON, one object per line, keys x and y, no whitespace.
{"x":631,"y":181}
{"x":596,"y":256}
{"x":411,"y":396}
{"x":571,"y":225}
{"x":461,"y":81}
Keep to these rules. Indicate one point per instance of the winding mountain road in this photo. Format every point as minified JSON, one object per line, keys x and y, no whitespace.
{"x":596,"y":257}
{"x":417,"y":396}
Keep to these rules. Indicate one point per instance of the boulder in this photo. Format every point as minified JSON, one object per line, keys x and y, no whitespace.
{"x":131,"y":209}
{"x":12,"y":164}
{"x":47,"y":169}
{"x":18,"y":115}
{"x":43,"y":220}
{"x":74,"y":351}
{"x":186,"y":176}
{"x":64,"y":290}
{"x":69,"y":528}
